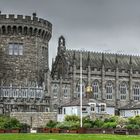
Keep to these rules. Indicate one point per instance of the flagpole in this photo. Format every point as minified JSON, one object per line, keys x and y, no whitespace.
{"x":81,"y":121}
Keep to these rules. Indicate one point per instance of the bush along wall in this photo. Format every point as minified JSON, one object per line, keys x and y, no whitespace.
{"x":8,"y":124}
{"x":112,"y":124}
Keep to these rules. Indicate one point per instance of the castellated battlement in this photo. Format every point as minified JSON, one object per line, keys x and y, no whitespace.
{"x":25,"y":25}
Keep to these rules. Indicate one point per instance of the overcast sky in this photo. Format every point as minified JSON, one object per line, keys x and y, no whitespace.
{"x":96,"y":25}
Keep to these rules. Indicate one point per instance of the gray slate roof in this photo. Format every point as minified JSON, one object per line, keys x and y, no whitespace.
{"x":131,"y":106}
{"x":109,"y":59}
{"x":85,"y":102}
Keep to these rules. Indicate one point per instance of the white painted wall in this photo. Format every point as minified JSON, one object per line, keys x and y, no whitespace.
{"x":110,"y":110}
{"x":60,"y":117}
{"x":75,"y":110}
{"x":129,"y":113}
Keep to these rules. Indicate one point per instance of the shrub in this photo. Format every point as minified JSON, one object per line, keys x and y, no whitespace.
{"x":9,"y":123}
{"x":136,"y":127}
{"x":12,"y":123}
{"x":2,"y":122}
{"x":87,"y":125}
{"x":68,"y":125}
{"x":134,"y":120}
{"x":109,"y":125}
{"x":87,"y":119}
{"x":129,"y":126}
{"x":97,"y":123}
{"x":73,"y":118}
{"x":62,"y":125}
{"x":120,"y":121}
{"x":111,"y":119}
{"x":51,"y":124}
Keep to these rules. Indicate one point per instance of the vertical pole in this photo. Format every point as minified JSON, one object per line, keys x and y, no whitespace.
{"x":81,"y":121}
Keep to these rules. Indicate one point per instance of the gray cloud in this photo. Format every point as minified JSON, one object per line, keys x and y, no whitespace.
{"x":97,"y":25}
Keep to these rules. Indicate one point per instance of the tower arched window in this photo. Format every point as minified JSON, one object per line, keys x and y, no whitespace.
{"x":25,"y":30}
{"x":95,"y":86}
{"x":136,"y":92}
{"x":9,"y":29}
{"x":109,"y":90}
{"x":3,"y":29}
{"x":14,"y":29}
{"x":123,"y":91}
{"x":20,"y":30}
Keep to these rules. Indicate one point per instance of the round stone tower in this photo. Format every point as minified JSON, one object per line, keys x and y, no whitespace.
{"x":23,"y":49}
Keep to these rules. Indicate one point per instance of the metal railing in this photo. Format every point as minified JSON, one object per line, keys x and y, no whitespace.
{"x":21,"y":92}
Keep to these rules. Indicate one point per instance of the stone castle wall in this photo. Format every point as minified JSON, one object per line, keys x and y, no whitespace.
{"x":35,"y":119}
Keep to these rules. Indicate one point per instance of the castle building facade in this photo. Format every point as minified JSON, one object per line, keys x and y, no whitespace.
{"x":23,"y":63}
{"x":114,"y":78}
{"x":27,"y":85}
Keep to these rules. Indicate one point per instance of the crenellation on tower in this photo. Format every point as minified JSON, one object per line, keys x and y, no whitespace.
{"x":25,"y":25}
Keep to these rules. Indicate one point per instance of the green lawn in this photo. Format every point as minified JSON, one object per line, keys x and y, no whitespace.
{"x":66,"y":137}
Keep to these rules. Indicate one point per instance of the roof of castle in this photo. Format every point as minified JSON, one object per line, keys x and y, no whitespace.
{"x":96,"y":59}
{"x":131,"y":106}
{"x":85,"y":102}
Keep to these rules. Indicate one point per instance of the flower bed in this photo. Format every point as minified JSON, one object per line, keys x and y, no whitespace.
{"x":94,"y":130}
{"x":73,"y":131}
{"x":55,"y":130}
{"x":2,"y":131}
{"x":46,"y":130}
{"x":15,"y":130}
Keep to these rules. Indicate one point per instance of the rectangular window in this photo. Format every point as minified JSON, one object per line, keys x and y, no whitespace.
{"x":65,"y":93}
{"x":109,"y":96}
{"x":84,"y":110}
{"x":15,"y":49}
{"x":64,"y":111}
{"x":102,"y":108}
{"x":20,"y":49}
{"x":95,"y":95}
{"x":123,"y":97}
{"x":92,"y":108}
{"x":10,"y":49}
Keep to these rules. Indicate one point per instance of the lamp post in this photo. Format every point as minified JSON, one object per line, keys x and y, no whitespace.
{"x":81,"y":119}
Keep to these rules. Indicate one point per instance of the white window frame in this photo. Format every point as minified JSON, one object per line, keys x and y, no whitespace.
{"x":15,"y":49}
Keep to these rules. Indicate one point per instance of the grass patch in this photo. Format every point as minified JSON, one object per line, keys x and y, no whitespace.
{"x":67,"y":137}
